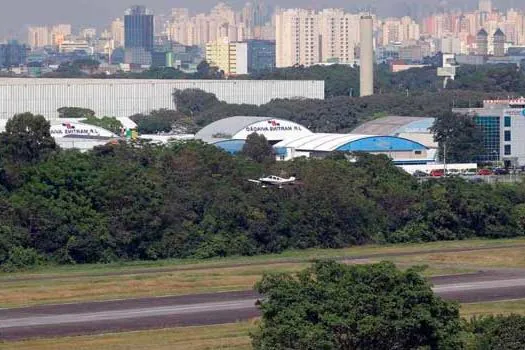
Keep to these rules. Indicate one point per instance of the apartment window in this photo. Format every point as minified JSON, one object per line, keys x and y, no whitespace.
{"x":507,"y":136}
{"x":508,"y":123}
{"x":508,"y":150}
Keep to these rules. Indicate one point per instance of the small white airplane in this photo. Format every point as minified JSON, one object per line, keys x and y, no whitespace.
{"x":274,"y":181}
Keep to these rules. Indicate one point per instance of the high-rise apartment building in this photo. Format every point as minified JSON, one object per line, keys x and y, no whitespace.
{"x":88,"y":33}
{"x":138,"y":35}
{"x":482,"y":42}
{"x":60,"y":33}
{"x":339,"y":33}
{"x":261,"y":55}
{"x":499,"y":43}
{"x":138,"y":28}
{"x":409,"y":29}
{"x":236,"y":58}
{"x":38,"y":37}
{"x":297,"y":38}
{"x":117,"y":32}
{"x":12,"y":54}
{"x":231,"y":58}
{"x":451,"y":45}
{"x":252,"y":22}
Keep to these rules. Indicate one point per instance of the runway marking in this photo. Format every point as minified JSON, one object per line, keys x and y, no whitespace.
{"x":124,"y":314}
{"x":210,"y":307}
{"x":480,"y":285}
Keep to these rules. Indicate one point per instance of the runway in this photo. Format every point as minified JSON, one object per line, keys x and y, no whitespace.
{"x":207,"y":309}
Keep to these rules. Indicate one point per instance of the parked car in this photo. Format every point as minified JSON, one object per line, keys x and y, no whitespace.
{"x":419,"y":173}
{"x":437,"y":173}
{"x":469,"y":172}
{"x":485,"y":172}
{"x":501,"y":171}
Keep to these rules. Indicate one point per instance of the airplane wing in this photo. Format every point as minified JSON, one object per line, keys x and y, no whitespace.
{"x":254,"y":181}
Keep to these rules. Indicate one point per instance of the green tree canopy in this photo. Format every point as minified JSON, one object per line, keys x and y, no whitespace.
{"x":26,"y":139}
{"x":109,"y":123}
{"x":258,"y":149}
{"x":163,"y":120}
{"x":75,"y":112}
{"x":194,"y":101}
{"x":336,"y":306}
{"x":499,"y":332}
{"x":459,"y":135}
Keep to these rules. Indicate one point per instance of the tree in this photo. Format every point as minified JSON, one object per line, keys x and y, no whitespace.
{"x":258,"y":149}
{"x":194,"y":101}
{"x":335,"y":306}
{"x":460,"y":135}
{"x":163,"y":120}
{"x":26,"y":139}
{"x":75,"y":112}
{"x":205,"y":71}
{"x":109,"y":123}
{"x":498,"y":332}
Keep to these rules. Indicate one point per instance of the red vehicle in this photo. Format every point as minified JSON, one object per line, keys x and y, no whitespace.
{"x":437,"y":173}
{"x":485,"y":172}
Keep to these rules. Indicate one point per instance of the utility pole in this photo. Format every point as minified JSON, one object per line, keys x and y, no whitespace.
{"x":445,"y":158}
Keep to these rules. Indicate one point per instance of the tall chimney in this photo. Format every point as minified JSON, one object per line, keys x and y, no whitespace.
{"x":367,"y":56}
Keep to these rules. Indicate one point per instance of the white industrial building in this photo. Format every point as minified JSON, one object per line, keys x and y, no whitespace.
{"x":291,"y":140}
{"x":125,"y":97}
{"x":503,"y":126}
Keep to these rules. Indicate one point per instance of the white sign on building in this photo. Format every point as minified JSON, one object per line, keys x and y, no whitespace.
{"x":72,"y":129}
{"x":274,"y":130}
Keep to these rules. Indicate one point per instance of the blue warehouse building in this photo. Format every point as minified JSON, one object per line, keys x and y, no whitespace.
{"x":291,"y":140}
{"x":400,"y":150}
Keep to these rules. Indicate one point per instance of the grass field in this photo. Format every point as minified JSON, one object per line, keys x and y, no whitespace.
{"x":289,"y":256}
{"x":497,"y":258}
{"x":71,"y":289}
{"x":105,"y":282}
{"x":493,"y":308}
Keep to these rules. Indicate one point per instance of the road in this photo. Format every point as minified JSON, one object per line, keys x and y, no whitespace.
{"x":207,"y":309}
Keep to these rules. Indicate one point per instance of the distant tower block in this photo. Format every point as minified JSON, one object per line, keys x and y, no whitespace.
{"x":482,"y":42}
{"x":499,"y":43}
{"x":367,"y":56}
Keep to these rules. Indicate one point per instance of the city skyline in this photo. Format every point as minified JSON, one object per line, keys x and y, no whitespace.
{"x":97,"y":13}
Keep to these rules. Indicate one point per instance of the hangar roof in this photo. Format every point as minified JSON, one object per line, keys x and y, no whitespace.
{"x":226,"y":128}
{"x":350,"y":142}
{"x":274,"y":129}
{"x":394,"y":125}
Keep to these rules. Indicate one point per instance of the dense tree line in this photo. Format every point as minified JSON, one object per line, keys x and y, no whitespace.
{"x":343,"y":80}
{"x":370,"y":307}
{"x":340,"y":80}
{"x":503,"y":78}
{"x":339,"y":114}
{"x":141,"y":201}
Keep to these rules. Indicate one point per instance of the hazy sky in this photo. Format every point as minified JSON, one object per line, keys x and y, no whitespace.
{"x":16,"y":15}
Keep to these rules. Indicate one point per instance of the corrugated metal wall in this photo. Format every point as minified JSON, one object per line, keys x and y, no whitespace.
{"x":123,"y":97}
